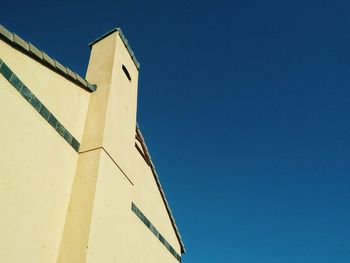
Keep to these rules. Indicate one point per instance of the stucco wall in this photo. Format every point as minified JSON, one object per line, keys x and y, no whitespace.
{"x":117,"y":234}
{"x":61,"y":206}
{"x":147,"y":197}
{"x":37,"y":165}
{"x":67,"y":101}
{"x":36,"y":171}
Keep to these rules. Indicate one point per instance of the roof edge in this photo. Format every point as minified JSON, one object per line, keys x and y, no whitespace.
{"x":154,"y":172}
{"x":125,"y":41}
{"x":30,"y":50}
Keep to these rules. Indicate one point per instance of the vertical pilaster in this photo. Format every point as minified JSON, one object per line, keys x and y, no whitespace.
{"x":109,"y":130}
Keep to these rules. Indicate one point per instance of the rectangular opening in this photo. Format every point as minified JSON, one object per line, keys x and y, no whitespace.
{"x":127,"y":74}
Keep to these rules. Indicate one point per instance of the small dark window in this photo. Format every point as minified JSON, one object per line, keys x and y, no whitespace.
{"x":126,"y":72}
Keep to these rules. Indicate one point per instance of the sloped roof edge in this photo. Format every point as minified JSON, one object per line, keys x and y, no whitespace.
{"x":40,"y":56}
{"x":172,"y":219}
{"x":125,"y":41}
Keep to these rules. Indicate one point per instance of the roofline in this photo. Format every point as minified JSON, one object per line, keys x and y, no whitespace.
{"x":30,"y":50}
{"x":155,"y":175}
{"x":125,"y":41}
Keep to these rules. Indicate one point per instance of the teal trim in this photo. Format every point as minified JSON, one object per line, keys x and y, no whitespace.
{"x":5,"y":71}
{"x":52,"y":120}
{"x":60,"y":129}
{"x":16,"y":82}
{"x":30,"y":50}
{"x":68,"y":137}
{"x":61,"y":68}
{"x":36,"y":103}
{"x":75,"y":144}
{"x":44,"y":112}
{"x":125,"y":41}
{"x":7,"y":34}
{"x":36,"y":52}
{"x":155,"y":232}
{"x":38,"y":106}
{"x":26,"y":93}
{"x":20,"y":42}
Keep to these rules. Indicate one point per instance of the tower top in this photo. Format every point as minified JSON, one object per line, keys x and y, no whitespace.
{"x":125,"y":41}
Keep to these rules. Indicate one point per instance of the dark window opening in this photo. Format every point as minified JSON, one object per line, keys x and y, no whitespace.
{"x":126,"y":72}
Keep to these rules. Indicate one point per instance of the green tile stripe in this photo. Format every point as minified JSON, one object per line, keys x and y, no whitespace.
{"x":30,"y":50}
{"x":155,"y":232}
{"x":37,"y":105}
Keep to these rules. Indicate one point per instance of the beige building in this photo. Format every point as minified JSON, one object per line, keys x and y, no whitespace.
{"x":77,"y":183}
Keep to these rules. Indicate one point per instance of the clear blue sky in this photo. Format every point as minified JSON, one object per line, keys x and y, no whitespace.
{"x":245,"y":107}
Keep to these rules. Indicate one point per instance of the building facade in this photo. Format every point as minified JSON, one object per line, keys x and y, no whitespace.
{"x":77,"y":183}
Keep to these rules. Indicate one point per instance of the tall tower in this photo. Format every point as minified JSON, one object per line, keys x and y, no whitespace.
{"x":107,"y":144}
{"x":81,"y":162}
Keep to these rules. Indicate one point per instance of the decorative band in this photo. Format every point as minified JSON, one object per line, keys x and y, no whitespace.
{"x":155,"y":232}
{"x":38,"y":106}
